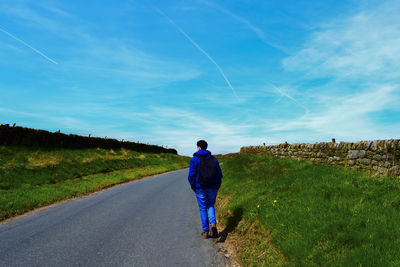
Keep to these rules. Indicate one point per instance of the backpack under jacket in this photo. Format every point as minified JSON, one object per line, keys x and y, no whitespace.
{"x":208,"y":171}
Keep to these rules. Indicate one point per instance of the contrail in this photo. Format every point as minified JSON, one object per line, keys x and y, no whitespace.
{"x":261,"y":35}
{"x":34,"y":49}
{"x":290,"y":97}
{"x":201,"y":50}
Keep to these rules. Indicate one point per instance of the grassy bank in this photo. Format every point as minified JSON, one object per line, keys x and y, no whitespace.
{"x":284,"y":212}
{"x":31,"y":178}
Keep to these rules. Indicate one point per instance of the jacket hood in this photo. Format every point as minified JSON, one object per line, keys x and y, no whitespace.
{"x":203,"y":152}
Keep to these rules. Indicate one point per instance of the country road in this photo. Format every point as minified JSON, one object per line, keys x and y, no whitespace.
{"x":150,"y":222}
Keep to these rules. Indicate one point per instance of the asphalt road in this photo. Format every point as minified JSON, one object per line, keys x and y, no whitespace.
{"x":150,"y":222}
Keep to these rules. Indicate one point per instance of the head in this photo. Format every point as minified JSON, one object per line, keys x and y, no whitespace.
{"x":202,"y":145}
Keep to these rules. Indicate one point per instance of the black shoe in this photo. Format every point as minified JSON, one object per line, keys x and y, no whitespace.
{"x":214,"y":231}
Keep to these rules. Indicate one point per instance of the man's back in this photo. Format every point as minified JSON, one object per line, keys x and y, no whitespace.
{"x":208,"y":171}
{"x":200,"y":158}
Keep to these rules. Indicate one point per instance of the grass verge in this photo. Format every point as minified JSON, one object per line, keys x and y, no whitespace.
{"x":289,"y":213}
{"x":32,"y":178}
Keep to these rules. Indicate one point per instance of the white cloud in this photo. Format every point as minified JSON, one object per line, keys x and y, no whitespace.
{"x":182,"y":129}
{"x":70,"y":123}
{"x":361,"y":56}
{"x":346,"y":116}
{"x":114,"y":58}
{"x":365,"y":45}
{"x":248,"y":24}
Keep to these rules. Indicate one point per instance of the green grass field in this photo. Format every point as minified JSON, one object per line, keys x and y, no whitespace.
{"x":31,"y":178}
{"x":283,"y":212}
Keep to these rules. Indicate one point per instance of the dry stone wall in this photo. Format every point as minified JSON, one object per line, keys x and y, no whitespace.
{"x":379,"y":156}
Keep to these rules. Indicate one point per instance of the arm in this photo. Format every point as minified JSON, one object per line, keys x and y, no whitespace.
{"x":193,"y":173}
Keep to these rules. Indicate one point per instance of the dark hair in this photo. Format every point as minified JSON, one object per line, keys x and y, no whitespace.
{"x":202,"y":144}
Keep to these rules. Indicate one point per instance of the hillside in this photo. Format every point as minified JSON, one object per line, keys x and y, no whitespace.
{"x":35,"y":171}
{"x":284,"y":212}
{"x":28,"y":137}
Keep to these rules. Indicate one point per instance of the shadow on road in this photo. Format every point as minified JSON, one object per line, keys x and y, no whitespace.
{"x":233,"y":221}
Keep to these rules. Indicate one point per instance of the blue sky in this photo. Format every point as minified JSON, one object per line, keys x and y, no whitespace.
{"x":234,"y":73}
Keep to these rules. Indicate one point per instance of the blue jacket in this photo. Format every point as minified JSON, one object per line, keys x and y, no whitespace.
{"x":194,"y":169}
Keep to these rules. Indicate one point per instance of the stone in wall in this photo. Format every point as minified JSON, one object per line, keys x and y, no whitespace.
{"x":352,"y":154}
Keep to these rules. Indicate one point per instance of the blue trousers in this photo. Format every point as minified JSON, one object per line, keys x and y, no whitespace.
{"x":206,"y":199}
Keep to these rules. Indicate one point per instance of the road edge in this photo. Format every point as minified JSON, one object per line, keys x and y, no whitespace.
{"x":84,"y":195}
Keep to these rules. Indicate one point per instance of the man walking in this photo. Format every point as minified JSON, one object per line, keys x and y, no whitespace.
{"x":205,"y":179}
